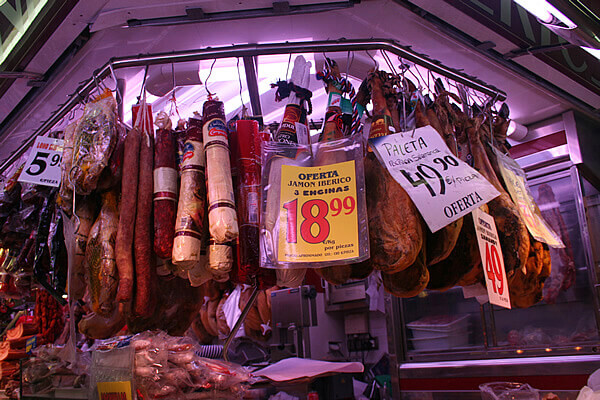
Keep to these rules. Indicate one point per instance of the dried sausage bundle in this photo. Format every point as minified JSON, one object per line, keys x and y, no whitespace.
{"x":187,"y":246}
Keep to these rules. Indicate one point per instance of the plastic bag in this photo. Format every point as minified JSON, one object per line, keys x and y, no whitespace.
{"x":508,"y":391}
{"x":313,"y":210}
{"x":112,"y":361}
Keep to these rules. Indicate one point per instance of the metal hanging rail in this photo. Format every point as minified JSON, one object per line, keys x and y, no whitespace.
{"x":251,"y":50}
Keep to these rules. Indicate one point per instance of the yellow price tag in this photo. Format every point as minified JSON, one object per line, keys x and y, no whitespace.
{"x":318,"y":216}
{"x":114,"y":390}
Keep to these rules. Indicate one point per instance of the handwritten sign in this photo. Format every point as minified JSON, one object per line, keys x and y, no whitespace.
{"x":43,"y":165}
{"x":114,"y":390}
{"x":491,"y":257}
{"x":443,"y":187}
{"x":318,"y":213}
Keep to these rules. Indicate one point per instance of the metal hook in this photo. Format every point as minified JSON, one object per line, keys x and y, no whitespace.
{"x":206,"y":80}
{"x":287,"y":71}
{"x":143,"y":83}
{"x":375,"y":64}
{"x":240,"y":81}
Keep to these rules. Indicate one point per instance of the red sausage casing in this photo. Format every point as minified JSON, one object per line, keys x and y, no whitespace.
{"x":165,"y":192}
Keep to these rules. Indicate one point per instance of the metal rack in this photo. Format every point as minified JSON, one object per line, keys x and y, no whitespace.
{"x":247,"y":52}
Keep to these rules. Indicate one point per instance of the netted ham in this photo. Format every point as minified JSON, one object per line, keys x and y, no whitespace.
{"x":94,"y":140}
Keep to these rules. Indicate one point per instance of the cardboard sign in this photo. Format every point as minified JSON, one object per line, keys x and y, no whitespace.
{"x":114,"y":390}
{"x":491,"y":258}
{"x":318,"y":215}
{"x":43,"y":165}
{"x":30,"y":344}
{"x":443,"y":187}
{"x":514,"y":178}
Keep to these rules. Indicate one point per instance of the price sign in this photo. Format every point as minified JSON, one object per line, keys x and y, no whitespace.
{"x":30,"y":344}
{"x":43,"y":165}
{"x":491,"y":257}
{"x":318,"y":215}
{"x":443,"y":187}
{"x":513,"y":176}
{"x":114,"y":390}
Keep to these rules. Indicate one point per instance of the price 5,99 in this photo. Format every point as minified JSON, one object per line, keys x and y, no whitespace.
{"x":493,"y":268}
{"x":425,"y":172}
{"x":315,"y":212}
{"x":39,"y":163}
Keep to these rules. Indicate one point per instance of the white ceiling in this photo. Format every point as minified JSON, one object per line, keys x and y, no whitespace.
{"x":370,"y":18}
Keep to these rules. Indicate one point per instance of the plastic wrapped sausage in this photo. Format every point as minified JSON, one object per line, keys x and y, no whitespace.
{"x":187,"y":246}
{"x":222,"y":217}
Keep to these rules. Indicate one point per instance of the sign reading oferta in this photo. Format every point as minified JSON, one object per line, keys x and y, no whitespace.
{"x":16,"y":16}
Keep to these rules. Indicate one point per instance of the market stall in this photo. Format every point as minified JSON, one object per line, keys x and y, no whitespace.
{"x":188,"y":217}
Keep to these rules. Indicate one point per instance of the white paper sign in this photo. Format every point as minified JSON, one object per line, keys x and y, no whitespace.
{"x":443,"y":187}
{"x":43,"y":165}
{"x":491,"y":258}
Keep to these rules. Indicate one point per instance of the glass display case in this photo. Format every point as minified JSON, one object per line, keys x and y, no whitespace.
{"x":452,"y":334}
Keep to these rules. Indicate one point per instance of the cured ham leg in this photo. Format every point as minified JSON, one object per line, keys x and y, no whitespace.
{"x":513,"y":234}
{"x":396,"y":231}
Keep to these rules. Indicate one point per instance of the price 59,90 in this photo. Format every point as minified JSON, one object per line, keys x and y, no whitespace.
{"x":315,"y":212}
{"x":425,"y":171}
{"x":39,"y":163}
{"x":493,"y":268}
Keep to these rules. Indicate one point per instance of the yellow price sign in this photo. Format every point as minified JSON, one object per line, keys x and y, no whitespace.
{"x":114,"y":390}
{"x":318,"y":215}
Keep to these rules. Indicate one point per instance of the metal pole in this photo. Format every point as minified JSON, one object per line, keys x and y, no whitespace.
{"x":253,"y":50}
{"x":239,"y":322}
{"x":252,"y":82}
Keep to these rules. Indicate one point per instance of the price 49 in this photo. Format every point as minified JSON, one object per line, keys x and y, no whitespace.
{"x":425,"y":172}
{"x":493,"y":268}
{"x":315,"y":214}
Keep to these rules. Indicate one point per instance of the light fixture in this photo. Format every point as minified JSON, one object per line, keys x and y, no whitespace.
{"x":594,"y":52}
{"x":516,"y":131}
{"x":546,"y":12}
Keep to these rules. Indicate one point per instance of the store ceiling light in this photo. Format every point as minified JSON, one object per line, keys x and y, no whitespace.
{"x":546,"y":12}
{"x":516,"y":131}
{"x":594,"y":52}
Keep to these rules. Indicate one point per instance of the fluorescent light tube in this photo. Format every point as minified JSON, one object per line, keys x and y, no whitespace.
{"x":594,"y":52}
{"x":545,"y":12}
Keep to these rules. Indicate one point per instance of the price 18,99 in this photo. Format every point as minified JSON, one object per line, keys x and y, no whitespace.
{"x":425,"y":172}
{"x":315,"y":226}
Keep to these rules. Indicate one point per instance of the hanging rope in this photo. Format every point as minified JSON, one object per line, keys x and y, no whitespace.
{"x":346,"y":87}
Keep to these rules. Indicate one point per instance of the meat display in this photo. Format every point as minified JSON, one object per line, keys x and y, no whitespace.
{"x":562,"y":276}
